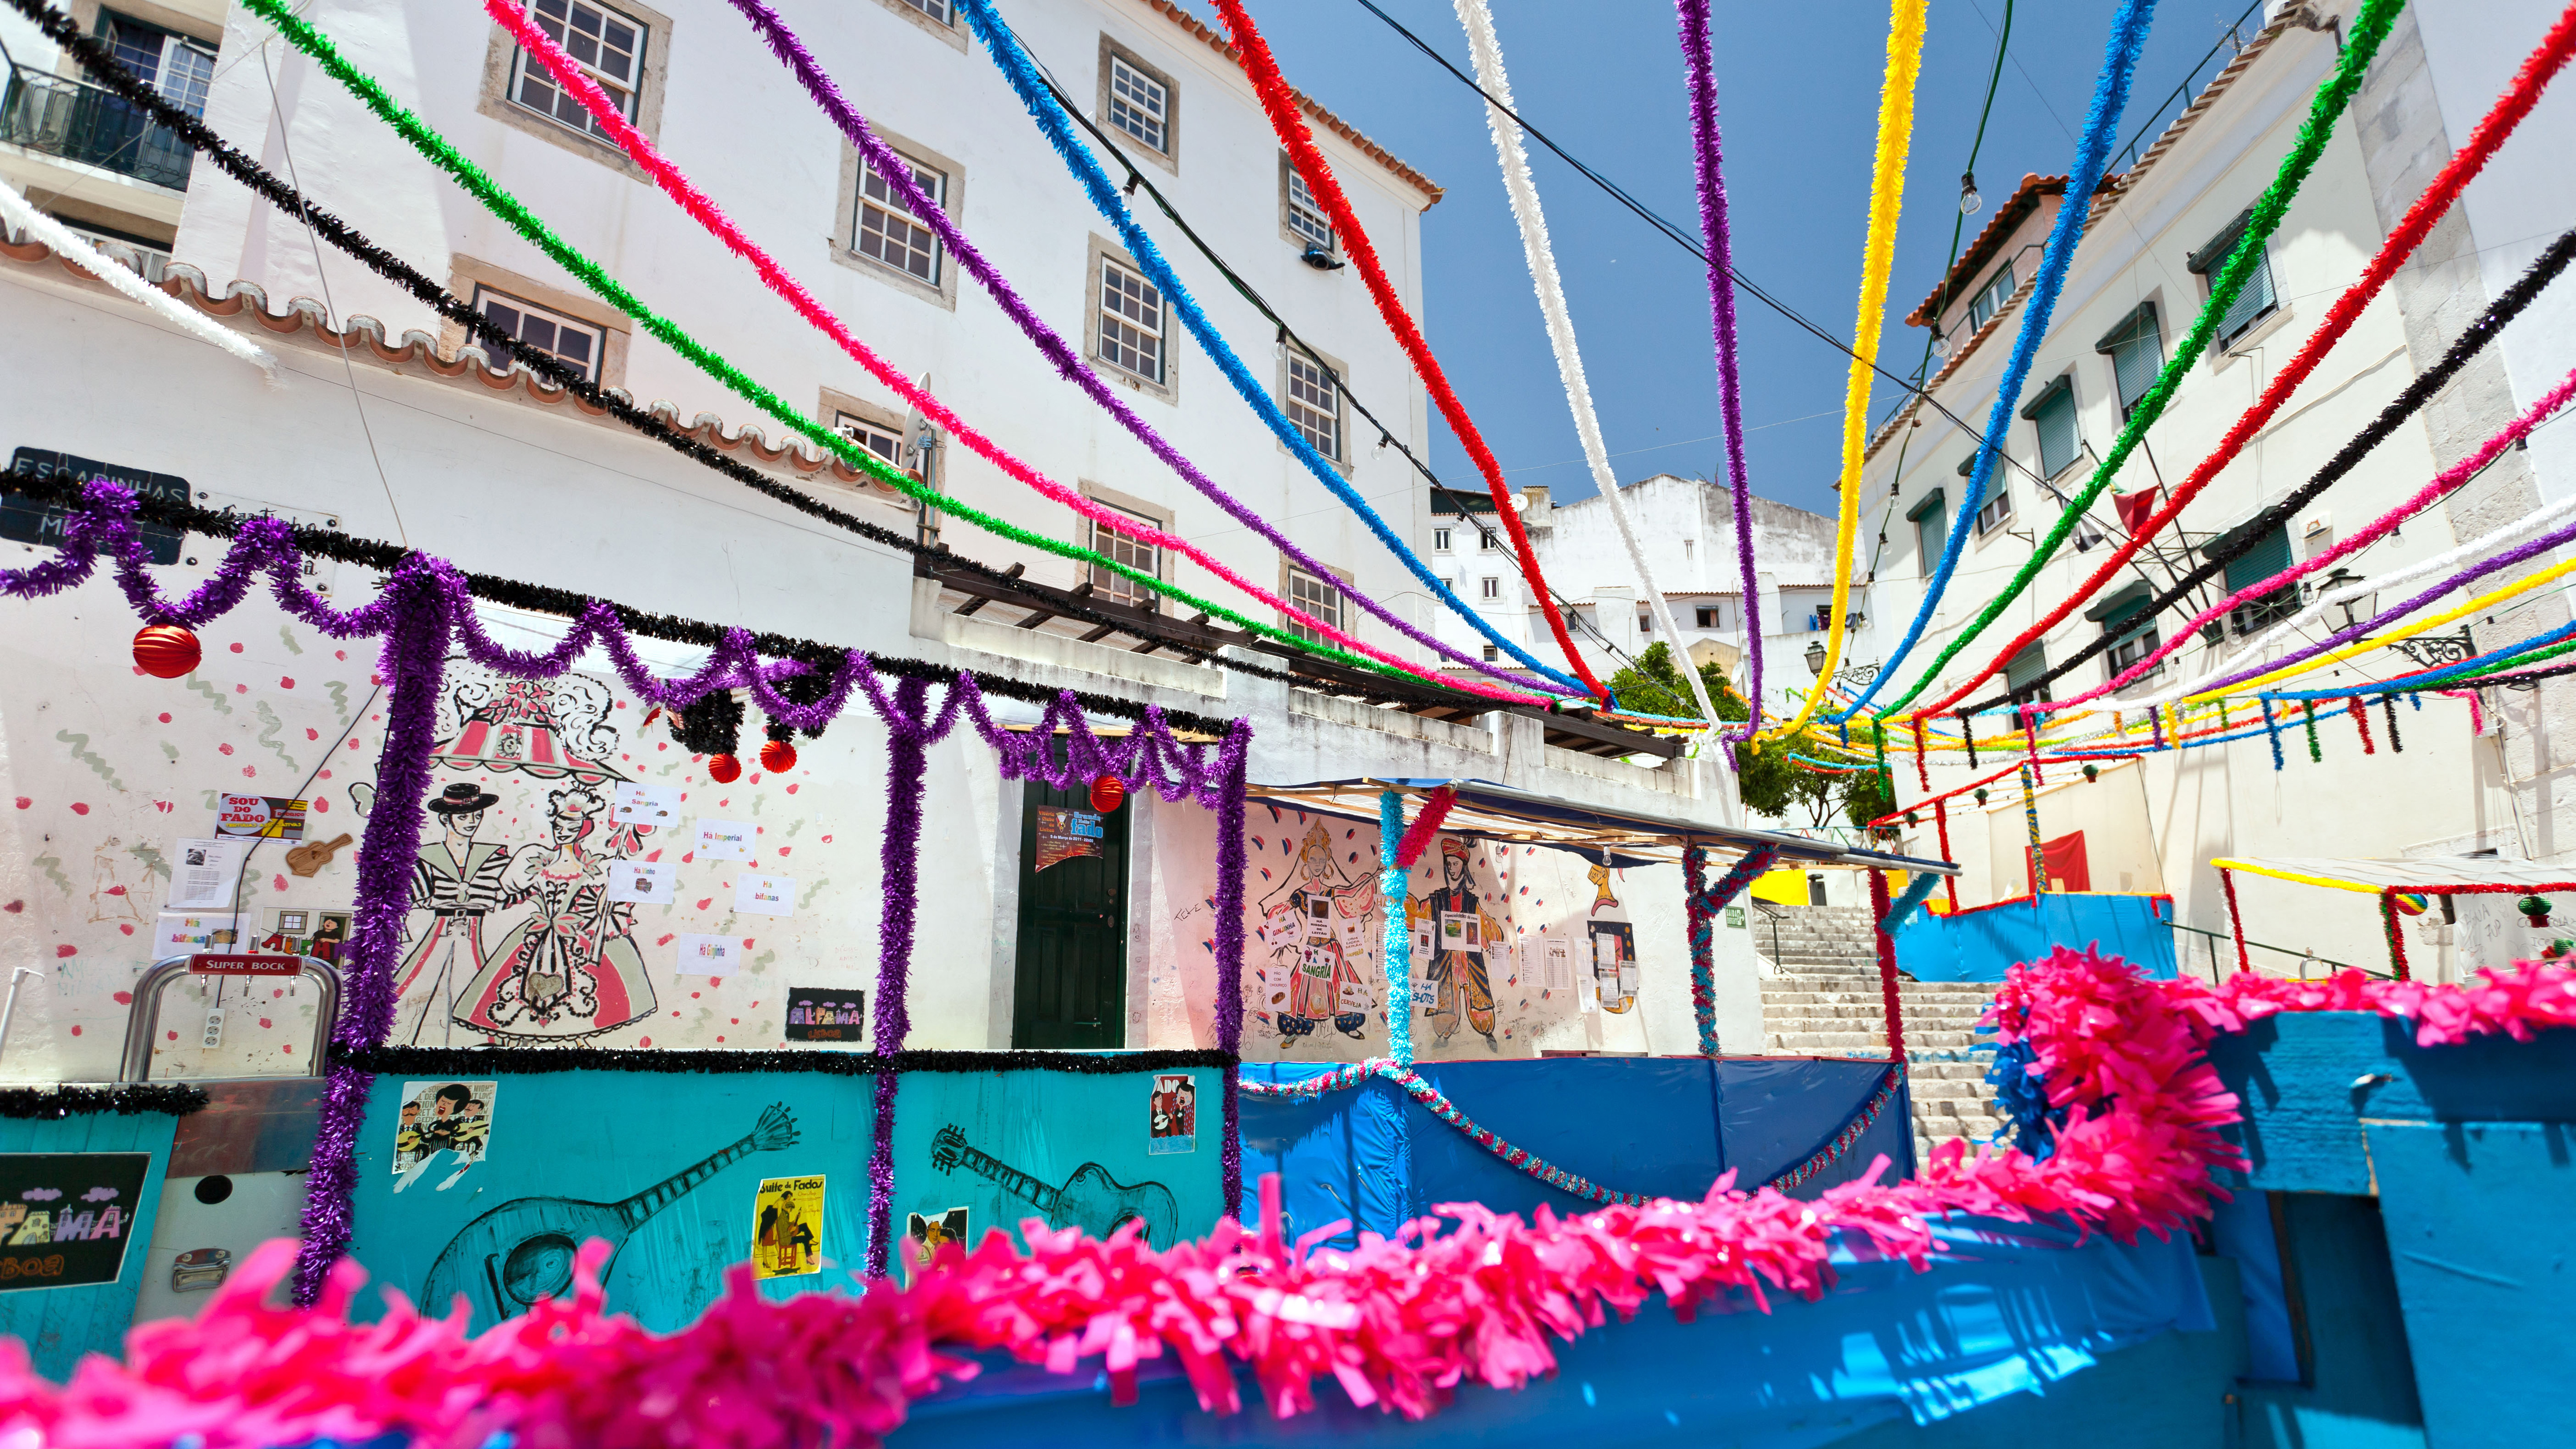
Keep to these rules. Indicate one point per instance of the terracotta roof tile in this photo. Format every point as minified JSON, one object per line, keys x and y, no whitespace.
{"x":1330,"y":122}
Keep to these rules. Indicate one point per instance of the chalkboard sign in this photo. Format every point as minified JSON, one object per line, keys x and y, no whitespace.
{"x":65,"y":1217}
{"x":29,"y":521}
{"x":815,"y":1014}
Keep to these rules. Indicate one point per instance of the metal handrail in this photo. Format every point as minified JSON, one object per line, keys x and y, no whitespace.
{"x":2214,"y":937}
{"x":143,"y":1020}
{"x":90,"y":124}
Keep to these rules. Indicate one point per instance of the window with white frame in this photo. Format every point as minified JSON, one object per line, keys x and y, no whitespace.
{"x":876,"y":437}
{"x":1306,"y":220}
{"x":1314,"y":405}
{"x":1997,"y":508}
{"x":1711,"y":616}
{"x":1645,"y":619}
{"x":1492,"y":653}
{"x":1439,"y":540}
{"x":607,"y":44}
{"x":888,"y":229}
{"x":937,"y":10}
{"x":1318,"y":596}
{"x":1139,"y":104}
{"x":2133,"y":635}
{"x":1113,"y":541}
{"x":1489,"y":588}
{"x":2254,"y":303}
{"x":1131,"y":322}
{"x":1488,"y":540}
{"x":1991,"y":297}
{"x":576,"y":344}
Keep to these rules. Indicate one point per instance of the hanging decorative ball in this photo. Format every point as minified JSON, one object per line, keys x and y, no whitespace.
{"x":2091,"y":773}
{"x":1108,"y":792}
{"x":1981,"y":794}
{"x":777,"y":757}
{"x":724,"y":769}
{"x":2536,"y":907}
{"x":166,"y":651}
{"x":1913,"y":819}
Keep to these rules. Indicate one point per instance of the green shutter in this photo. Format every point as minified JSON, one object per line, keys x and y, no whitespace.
{"x":2026,"y":668}
{"x":2137,"y":352}
{"x":2269,"y":555}
{"x":2053,"y":413}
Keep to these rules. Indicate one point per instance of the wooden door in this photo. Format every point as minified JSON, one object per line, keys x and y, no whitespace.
{"x":1071,"y":991}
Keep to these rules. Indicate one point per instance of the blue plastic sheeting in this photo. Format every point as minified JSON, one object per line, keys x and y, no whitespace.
{"x":1982,"y":943}
{"x":2011,"y":1309}
{"x":59,"y":1325}
{"x":2241,"y":1229}
{"x":1667,"y":1127}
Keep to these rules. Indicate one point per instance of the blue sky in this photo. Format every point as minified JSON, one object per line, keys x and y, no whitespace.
{"x":1797,"y":98}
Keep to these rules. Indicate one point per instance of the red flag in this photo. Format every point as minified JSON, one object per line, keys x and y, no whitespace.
{"x":2135,"y":508}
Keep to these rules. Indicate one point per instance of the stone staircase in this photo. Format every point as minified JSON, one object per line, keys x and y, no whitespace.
{"x":1822,"y":998}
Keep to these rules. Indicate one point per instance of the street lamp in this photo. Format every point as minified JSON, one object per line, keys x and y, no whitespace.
{"x":1816,"y":659}
{"x":2356,"y":609}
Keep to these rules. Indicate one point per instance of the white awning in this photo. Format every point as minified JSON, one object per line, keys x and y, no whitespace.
{"x":2433,"y":875}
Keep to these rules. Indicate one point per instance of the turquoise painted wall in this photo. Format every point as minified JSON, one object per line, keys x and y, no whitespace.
{"x":59,"y":1325}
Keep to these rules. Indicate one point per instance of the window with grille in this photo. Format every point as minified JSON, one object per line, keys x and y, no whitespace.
{"x":2021,"y":676}
{"x":1315,"y":405}
{"x":2137,"y":353}
{"x":577,"y":345}
{"x":2133,"y":635}
{"x":1439,"y":540}
{"x":1131,"y":322}
{"x":1491,"y":588}
{"x":888,"y":230}
{"x":1320,"y":597}
{"x":1110,"y":540}
{"x":1305,"y":218}
{"x":1931,"y":519}
{"x":877,"y":438}
{"x":1138,"y":104}
{"x":2257,"y":301}
{"x":1991,"y":297}
{"x":2269,"y":555}
{"x":607,"y":45}
{"x":2052,"y":414}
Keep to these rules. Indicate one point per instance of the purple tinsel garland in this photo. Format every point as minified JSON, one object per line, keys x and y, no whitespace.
{"x":426,"y":606}
{"x":1700,"y":61}
{"x":897,"y":174}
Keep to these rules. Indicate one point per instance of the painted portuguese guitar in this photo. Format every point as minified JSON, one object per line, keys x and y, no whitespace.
{"x":1090,"y":1199}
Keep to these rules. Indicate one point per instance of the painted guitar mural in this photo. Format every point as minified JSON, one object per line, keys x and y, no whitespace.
{"x":1090,"y":1199}
{"x":523,"y":1250}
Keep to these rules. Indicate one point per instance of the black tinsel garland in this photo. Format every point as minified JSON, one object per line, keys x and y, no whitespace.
{"x":40,"y":1104}
{"x":105,"y":69}
{"x":712,"y":726}
{"x":471,"y":1062}
{"x":2405,"y":405}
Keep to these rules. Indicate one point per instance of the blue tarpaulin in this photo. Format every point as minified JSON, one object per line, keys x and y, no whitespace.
{"x":1981,"y":943}
{"x":1664,"y":1126}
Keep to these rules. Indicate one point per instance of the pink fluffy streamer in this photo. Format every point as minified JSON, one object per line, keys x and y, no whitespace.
{"x":514,"y":18}
{"x":1417,"y":836}
{"x":1395,"y":1323}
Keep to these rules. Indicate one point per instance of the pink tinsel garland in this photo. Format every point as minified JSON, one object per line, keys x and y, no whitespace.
{"x":1397,"y":1322}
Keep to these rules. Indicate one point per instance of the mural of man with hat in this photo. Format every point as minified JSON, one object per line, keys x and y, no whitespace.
{"x":459,"y":881}
{"x":1461,"y":935}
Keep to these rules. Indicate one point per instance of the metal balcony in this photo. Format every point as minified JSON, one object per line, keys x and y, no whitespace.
{"x":90,"y":124}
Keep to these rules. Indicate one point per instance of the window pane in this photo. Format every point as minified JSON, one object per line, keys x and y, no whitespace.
{"x":2137,"y":355}
{"x":1305,"y":218}
{"x":608,"y":46}
{"x":575,"y":344}
{"x":2269,"y":556}
{"x":1109,"y":542}
{"x":1136,"y":103}
{"x":1313,"y":407}
{"x":877,"y":440}
{"x":2254,"y":303}
{"x":888,"y":228}
{"x":2022,"y":674}
{"x":1131,"y":322}
{"x":2056,"y":422}
{"x":1931,"y":531}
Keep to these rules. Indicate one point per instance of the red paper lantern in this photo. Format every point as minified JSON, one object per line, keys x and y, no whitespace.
{"x":723,"y":769}
{"x":166,"y":651}
{"x":1108,"y":793}
{"x":778,"y":757}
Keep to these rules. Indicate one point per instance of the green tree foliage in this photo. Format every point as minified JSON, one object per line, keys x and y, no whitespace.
{"x":1654,"y":685}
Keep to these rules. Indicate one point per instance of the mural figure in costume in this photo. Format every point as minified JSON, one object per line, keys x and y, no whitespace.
{"x":1613,"y":944}
{"x":572,"y":969}
{"x":1316,"y":926}
{"x":459,"y":881}
{"x":1461,"y":936}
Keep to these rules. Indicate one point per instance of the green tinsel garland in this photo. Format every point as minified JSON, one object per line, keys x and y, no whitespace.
{"x":2308,"y":710}
{"x":501,"y":203}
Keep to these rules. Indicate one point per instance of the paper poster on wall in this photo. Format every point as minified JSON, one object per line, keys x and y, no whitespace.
{"x":924,"y":1234}
{"x":707,"y":955}
{"x":180,"y":934}
{"x":643,"y":882}
{"x":1172,"y":1115}
{"x":765,"y":895}
{"x":264,"y":817}
{"x":1735,"y":917}
{"x":64,"y":1216}
{"x":816,"y":1014}
{"x":295,"y":931}
{"x":1065,"y":834}
{"x":202,"y":873}
{"x":788,"y":1241}
{"x":438,"y":1117}
{"x":654,"y":805}
{"x":726,"y":839}
{"x":1458,"y":933}
{"x":1556,"y":963}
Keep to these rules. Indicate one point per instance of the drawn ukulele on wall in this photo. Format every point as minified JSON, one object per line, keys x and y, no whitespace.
{"x":523,"y":1250}
{"x":1090,"y":1199}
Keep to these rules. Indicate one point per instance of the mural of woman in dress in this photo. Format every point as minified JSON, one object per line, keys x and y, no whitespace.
{"x":571,"y":970}
{"x":1463,"y":933}
{"x":1315,"y":925}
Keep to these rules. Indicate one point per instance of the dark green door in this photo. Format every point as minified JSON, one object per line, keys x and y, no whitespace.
{"x":1072,"y":973}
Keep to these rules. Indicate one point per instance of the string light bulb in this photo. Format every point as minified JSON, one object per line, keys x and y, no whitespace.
{"x":1969,"y":201}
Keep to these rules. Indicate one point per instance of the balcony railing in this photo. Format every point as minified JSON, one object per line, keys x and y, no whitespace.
{"x":81,"y":122}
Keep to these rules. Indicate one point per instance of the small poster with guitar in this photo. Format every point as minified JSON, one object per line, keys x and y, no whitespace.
{"x":789,"y":1240}
{"x":438,"y":1117}
{"x":924,"y":1234}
